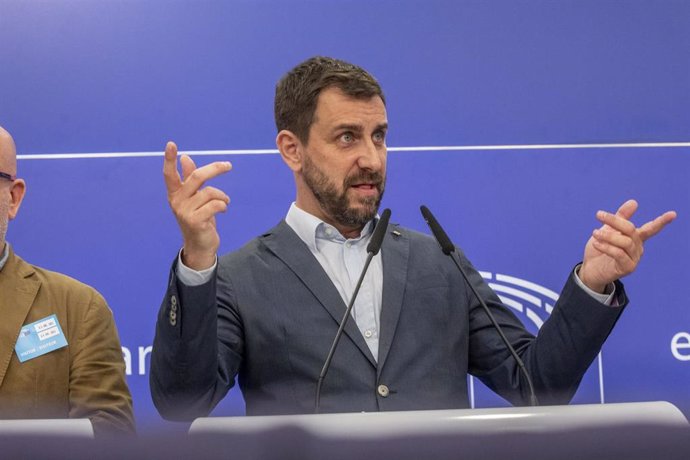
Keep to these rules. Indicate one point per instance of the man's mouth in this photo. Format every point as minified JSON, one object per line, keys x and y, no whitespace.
{"x":365,"y":186}
{"x":366,"y":189}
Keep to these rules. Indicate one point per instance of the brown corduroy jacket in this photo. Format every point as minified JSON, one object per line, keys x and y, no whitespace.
{"x":85,"y":379}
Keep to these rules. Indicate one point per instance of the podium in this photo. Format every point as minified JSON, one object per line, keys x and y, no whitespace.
{"x":381,"y":425}
{"x":71,"y":428}
{"x":628,"y":431}
{"x":611,"y":431}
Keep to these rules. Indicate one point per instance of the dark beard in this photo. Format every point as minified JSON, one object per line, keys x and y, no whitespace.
{"x":337,"y":206}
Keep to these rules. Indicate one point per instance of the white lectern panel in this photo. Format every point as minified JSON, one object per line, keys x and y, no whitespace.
{"x":497,"y":420}
{"x":75,"y":428}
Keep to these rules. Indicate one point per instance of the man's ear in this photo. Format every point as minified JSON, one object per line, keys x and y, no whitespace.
{"x":17,"y":191}
{"x":290,"y":148}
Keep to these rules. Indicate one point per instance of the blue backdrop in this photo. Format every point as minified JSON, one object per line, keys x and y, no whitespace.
{"x":539,"y":81}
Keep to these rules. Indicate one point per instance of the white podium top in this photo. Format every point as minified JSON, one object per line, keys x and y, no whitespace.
{"x":75,"y":428}
{"x":497,"y":420}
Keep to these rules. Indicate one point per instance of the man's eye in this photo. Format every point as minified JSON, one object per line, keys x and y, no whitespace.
{"x":379,"y":137}
{"x":347,"y":138}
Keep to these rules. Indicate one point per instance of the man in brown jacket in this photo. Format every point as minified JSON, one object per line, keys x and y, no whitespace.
{"x":84,"y":378}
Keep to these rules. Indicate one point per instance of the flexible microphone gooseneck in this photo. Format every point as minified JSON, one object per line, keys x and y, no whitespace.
{"x":372,"y":249}
{"x":448,"y":249}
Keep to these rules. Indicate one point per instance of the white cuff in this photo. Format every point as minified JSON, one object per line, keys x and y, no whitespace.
{"x":191,"y":277}
{"x":606,"y":298}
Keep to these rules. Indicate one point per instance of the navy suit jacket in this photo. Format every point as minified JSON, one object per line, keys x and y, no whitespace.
{"x":270,"y":313}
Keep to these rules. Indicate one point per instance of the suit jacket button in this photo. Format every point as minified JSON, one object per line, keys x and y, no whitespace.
{"x":173,"y":302}
{"x":382,"y":390}
{"x":173,"y":318}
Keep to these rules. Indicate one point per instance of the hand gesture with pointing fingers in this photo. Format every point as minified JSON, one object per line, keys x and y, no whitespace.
{"x":195,"y":206}
{"x":615,"y":249}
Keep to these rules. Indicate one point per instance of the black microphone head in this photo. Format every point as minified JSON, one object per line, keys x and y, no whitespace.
{"x":379,"y":232}
{"x":446,"y":245}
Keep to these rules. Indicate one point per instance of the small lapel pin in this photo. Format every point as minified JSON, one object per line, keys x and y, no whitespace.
{"x":396,"y":233}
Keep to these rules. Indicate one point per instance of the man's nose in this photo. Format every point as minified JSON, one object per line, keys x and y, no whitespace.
{"x":372,"y":156}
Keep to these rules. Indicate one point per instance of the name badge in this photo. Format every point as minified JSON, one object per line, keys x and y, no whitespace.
{"x":38,"y":338}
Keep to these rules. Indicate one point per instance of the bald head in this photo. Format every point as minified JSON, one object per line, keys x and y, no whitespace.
{"x":8,"y":153}
{"x":11,"y":191}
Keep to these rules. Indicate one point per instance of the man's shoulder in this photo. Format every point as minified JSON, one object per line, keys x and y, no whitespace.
{"x":256,"y":247}
{"x":58,"y":282}
{"x":58,"y":293}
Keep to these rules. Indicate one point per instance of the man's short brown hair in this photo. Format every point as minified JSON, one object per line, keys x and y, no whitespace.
{"x":298,"y":91}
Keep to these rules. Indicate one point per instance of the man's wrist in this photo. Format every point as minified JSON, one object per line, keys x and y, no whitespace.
{"x":197,"y":261}
{"x":191,"y":277}
{"x":607,"y":297}
{"x":599,"y":288}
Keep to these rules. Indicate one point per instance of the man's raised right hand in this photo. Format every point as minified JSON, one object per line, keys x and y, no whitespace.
{"x":195,"y":208}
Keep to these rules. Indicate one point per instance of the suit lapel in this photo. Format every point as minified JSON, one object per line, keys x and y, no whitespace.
{"x":395,"y":252}
{"x":18,"y":290}
{"x":291,"y":250}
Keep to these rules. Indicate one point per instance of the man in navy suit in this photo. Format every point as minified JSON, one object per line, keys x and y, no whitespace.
{"x":268,"y":312}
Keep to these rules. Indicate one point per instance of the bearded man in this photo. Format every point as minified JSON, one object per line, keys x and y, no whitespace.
{"x":267,"y":313}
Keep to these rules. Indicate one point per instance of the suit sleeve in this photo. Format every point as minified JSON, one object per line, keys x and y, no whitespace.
{"x":197,"y":349}
{"x":97,"y":387}
{"x":557,"y":358}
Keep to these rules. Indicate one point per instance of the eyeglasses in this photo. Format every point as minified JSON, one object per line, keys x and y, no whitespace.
{"x":6,"y":176}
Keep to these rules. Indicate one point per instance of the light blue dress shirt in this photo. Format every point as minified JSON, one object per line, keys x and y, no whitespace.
{"x":343,"y":260}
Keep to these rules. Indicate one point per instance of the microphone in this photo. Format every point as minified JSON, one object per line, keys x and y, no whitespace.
{"x":448,"y":249}
{"x":372,"y":249}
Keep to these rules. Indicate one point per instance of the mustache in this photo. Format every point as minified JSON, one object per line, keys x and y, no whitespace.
{"x":372,"y":177}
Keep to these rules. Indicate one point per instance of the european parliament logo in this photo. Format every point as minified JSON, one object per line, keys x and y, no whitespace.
{"x":533,"y":303}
